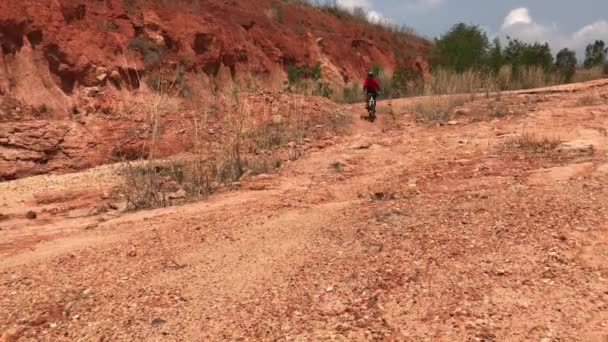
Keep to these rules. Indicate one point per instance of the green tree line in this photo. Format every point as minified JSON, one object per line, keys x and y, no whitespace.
{"x":465,"y":47}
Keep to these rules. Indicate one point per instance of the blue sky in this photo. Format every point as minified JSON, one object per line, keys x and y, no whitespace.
{"x":562,"y":23}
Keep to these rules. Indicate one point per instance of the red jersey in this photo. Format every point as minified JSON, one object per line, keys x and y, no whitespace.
{"x":371,"y":85}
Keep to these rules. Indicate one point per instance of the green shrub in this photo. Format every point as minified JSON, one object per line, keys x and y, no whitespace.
{"x":110,"y":25}
{"x":151,"y":51}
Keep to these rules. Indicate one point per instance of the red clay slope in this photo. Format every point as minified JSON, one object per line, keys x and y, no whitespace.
{"x":86,"y":43}
{"x":70,"y":68}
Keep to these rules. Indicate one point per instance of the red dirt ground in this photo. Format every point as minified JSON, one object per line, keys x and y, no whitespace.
{"x":395,"y":231}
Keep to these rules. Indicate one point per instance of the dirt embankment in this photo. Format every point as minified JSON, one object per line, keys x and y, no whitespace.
{"x":79,"y":78}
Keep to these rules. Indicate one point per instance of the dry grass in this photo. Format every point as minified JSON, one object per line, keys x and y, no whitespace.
{"x":248,"y":147}
{"x":337,"y":166}
{"x":534,"y":142}
{"x":154,"y":184}
{"x":437,"y":108}
{"x":589,"y":74}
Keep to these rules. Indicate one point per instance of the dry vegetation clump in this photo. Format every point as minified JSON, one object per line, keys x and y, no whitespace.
{"x":437,"y":108}
{"x":533,"y":142}
{"x":255,"y":139}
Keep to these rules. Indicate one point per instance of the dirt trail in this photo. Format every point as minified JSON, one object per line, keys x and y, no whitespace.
{"x":398,"y":231}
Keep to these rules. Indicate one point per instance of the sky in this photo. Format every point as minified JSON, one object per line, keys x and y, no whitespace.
{"x":561,"y":23}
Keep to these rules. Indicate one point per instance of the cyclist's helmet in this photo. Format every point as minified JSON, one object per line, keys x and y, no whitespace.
{"x":370,"y":74}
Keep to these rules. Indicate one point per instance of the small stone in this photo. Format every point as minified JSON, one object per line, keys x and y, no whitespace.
{"x":452,"y":122}
{"x":157,"y":322}
{"x":361,"y":145}
{"x":500,"y":272}
{"x":91,"y":225}
{"x":132,"y":252}
{"x":329,"y":289}
{"x":31,"y":215}
{"x":576,"y":145}
{"x":102,"y":77}
{"x":179,"y":194}
{"x":115,"y":75}
{"x":291,"y":144}
{"x":463,"y":111}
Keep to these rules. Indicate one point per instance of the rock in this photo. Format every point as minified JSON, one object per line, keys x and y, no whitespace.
{"x":12,"y":335}
{"x":463,"y":111}
{"x":92,"y":91}
{"x":257,"y":187}
{"x":501,"y":272}
{"x":576,"y":145}
{"x":115,"y":75}
{"x":132,"y":252}
{"x":91,"y":225}
{"x":291,"y":144}
{"x":77,"y":213}
{"x":453,"y":122}
{"x":101,"y":77}
{"x":179,"y":194}
{"x":246,"y":175}
{"x":181,"y":131}
{"x":247,"y":25}
{"x":158,"y":322}
{"x":31,"y":215}
{"x":361,"y":145}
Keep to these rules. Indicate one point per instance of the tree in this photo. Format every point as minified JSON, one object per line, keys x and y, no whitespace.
{"x":595,"y":54}
{"x":518,"y":54}
{"x":462,"y":47}
{"x":496,"y":59}
{"x":565,"y":63}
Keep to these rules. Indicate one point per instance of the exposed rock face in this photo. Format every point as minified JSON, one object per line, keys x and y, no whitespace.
{"x":40,"y":146}
{"x":68,"y":68}
{"x":54,"y":48}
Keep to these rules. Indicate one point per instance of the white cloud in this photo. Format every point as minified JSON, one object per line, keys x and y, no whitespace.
{"x":355,"y":3}
{"x":375,"y":16}
{"x":519,"y":23}
{"x":372,"y":15}
{"x":596,"y":30}
{"x":517,"y":16}
{"x":422,"y":5}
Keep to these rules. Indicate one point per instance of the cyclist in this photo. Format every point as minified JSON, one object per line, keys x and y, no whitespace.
{"x":371,"y":87}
